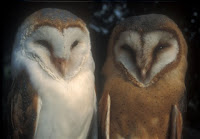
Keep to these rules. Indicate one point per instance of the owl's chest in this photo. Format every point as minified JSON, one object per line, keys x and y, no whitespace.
{"x":66,"y":108}
{"x":138,"y":118}
{"x":141,"y":112}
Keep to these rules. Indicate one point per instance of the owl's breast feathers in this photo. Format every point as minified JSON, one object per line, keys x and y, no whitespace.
{"x":23,"y":100}
{"x":140,"y":112}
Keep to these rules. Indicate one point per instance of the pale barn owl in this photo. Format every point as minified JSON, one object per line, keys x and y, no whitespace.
{"x":53,"y":94}
{"x":144,"y":85}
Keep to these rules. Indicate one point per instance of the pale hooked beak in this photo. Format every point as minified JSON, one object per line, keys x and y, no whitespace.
{"x":61,"y":65}
{"x":144,"y":66}
{"x":143,"y":74}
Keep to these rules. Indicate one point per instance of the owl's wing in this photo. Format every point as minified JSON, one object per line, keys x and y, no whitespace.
{"x":177,"y":117}
{"x":25,"y":106}
{"x":176,"y":123}
{"x":104,"y":115}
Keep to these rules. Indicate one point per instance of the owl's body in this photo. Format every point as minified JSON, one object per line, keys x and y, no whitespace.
{"x":144,"y":88}
{"x":53,"y":95}
{"x":140,"y":113}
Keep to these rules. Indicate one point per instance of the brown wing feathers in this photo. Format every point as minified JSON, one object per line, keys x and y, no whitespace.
{"x":23,"y":102}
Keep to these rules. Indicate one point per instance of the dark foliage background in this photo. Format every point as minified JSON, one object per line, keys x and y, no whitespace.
{"x":100,"y":18}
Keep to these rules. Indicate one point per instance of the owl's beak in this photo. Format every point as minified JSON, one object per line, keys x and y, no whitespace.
{"x":143,"y":74}
{"x":61,"y":65}
{"x":144,"y":66}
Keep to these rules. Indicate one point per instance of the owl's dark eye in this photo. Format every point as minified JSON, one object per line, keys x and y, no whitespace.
{"x":44,"y":43}
{"x":129,"y":51}
{"x":126,"y":47}
{"x":162,"y":46}
{"x":74,"y":44}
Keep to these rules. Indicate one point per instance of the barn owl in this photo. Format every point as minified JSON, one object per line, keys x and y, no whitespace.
{"x":144,"y":87}
{"x":53,"y":94}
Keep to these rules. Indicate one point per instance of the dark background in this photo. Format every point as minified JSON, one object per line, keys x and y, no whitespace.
{"x":100,"y":18}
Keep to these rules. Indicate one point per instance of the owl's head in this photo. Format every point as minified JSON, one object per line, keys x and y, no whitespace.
{"x":56,"y":39}
{"x":146,"y":47}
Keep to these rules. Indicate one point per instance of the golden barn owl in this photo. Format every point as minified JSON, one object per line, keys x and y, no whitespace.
{"x":144,"y":80}
{"x":53,"y":94}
